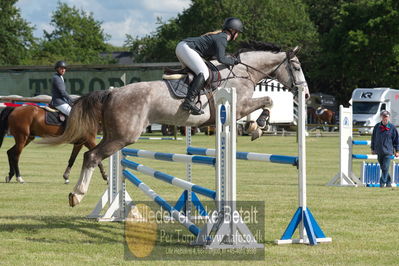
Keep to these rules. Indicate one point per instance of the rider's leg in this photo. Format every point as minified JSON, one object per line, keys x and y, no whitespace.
{"x":189,"y":102}
{"x":64,"y":108}
{"x":190,"y":58}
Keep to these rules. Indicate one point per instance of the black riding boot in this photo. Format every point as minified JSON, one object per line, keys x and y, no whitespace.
{"x":194,"y":89}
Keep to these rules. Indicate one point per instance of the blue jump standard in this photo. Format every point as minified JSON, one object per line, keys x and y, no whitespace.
{"x":313,"y":230}
{"x":181,"y":203}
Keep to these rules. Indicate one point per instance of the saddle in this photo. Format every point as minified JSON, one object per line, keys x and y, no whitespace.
{"x":178,"y":80}
{"x":54,"y":117}
{"x":320,"y":111}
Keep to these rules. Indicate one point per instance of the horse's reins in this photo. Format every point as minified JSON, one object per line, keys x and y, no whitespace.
{"x":270,"y":76}
{"x":210,"y":94}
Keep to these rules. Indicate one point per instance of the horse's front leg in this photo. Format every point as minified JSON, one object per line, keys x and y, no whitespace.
{"x":247,"y":106}
{"x":253,"y":104}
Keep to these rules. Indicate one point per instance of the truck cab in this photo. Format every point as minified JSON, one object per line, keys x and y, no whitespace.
{"x":367,"y":103}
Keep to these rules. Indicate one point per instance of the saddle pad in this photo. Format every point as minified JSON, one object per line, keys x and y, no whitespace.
{"x":55,"y":118}
{"x":179,"y":87}
{"x":174,"y":76}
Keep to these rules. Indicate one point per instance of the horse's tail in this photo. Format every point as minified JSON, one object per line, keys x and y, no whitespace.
{"x":84,"y":119}
{"x":4,"y":122}
{"x":333,"y":120}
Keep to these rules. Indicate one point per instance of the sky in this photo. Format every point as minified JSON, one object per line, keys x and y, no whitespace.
{"x":118,"y":17}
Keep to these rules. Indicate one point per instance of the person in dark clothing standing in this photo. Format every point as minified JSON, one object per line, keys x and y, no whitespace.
{"x":191,"y":52}
{"x":60,"y":97}
{"x":385,"y":143}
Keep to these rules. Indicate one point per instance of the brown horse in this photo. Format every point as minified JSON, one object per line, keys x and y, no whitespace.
{"x":323,"y":116}
{"x":26,"y":122}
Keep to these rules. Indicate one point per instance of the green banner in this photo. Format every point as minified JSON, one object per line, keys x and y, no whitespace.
{"x":29,"y":83}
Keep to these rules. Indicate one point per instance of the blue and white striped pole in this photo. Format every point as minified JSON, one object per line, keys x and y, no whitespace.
{"x":163,"y":203}
{"x":169,"y":178}
{"x":171,"y":157}
{"x":369,"y":157}
{"x":361,"y":142}
{"x":250,"y":156}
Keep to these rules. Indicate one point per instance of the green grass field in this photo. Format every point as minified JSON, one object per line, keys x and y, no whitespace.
{"x":37,"y":227}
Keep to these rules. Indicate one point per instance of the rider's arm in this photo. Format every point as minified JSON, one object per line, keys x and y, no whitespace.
{"x":60,"y":87}
{"x":221,"y":44}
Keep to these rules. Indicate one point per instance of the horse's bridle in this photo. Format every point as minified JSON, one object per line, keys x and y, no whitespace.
{"x":271,"y":77}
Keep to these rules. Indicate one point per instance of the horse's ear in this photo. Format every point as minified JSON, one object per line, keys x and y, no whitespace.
{"x":296,"y":50}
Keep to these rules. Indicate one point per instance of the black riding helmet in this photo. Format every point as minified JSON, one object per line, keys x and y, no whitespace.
{"x":60,"y":64}
{"x":233,"y":24}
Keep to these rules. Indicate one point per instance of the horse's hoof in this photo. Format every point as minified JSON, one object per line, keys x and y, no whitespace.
{"x":8,"y":179}
{"x":256,"y":134}
{"x":73,"y":200}
{"x":20,"y":179}
{"x":66,"y":181}
{"x":105,"y":177}
{"x":66,"y":173}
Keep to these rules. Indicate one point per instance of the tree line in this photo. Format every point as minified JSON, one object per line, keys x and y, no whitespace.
{"x":345,"y":43}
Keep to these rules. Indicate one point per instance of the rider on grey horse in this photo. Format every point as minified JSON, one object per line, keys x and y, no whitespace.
{"x":190,"y":52}
{"x":60,"y":97}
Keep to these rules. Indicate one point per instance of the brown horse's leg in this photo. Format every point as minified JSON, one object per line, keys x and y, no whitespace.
{"x":90,"y":144}
{"x":11,"y":162}
{"x":14,"y":154}
{"x":75,"y":151}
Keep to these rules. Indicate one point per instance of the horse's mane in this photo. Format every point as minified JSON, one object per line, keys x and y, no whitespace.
{"x":258,"y":46}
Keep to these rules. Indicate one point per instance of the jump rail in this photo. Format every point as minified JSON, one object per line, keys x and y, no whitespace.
{"x":163,"y":203}
{"x":171,"y":157}
{"x":169,"y":179}
{"x":250,"y":156}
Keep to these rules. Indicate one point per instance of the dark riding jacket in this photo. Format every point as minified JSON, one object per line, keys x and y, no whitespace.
{"x":211,"y":45}
{"x":385,"y":139}
{"x":58,"y":91}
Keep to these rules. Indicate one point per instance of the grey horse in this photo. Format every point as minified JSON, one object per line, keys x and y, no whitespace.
{"x":127,"y":111}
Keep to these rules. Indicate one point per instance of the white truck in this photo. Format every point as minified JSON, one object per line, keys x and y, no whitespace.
{"x":282,"y":113}
{"x":367,"y":103}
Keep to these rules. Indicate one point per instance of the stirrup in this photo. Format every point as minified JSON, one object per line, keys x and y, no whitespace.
{"x":192,"y":108}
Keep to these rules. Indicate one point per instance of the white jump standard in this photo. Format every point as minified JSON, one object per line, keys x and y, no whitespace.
{"x":345,"y":176}
{"x":225,"y":232}
{"x":309,"y":231}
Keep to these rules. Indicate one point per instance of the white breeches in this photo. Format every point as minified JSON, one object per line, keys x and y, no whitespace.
{"x":191,"y":59}
{"x":64,"y":108}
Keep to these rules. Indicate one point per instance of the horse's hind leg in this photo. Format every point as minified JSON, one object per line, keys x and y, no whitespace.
{"x":11,"y":162}
{"x":75,"y":151}
{"x":91,"y":160}
{"x":14,"y":154}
